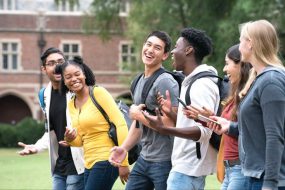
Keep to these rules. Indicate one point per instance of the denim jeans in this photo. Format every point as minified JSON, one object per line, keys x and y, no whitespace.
{"x":181,"y":181}
{"x":70,"y":182}
{"x":234,"y":179}
{"x":254,"y":183}
{"x":147,"y":175}
{"x":101,"y":176}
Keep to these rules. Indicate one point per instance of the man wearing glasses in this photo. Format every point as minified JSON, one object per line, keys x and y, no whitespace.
{"x":67,"y":165}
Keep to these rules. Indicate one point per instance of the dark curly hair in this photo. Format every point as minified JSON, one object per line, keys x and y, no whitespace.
{"x":164,"y":37}
{"x":78,"y":62}
{"x":201,"y":43}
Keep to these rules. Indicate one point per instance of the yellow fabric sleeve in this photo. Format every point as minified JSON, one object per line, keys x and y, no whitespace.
{"x":115,"y":115}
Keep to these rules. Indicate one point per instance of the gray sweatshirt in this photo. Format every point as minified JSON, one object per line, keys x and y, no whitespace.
{"x":261,"y":125}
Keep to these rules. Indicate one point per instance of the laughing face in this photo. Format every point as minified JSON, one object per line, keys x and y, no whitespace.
{"x":232,"y":70}
{"x":74,"y":78}
{"x":179,"y":53}
{"x":153,"y":52}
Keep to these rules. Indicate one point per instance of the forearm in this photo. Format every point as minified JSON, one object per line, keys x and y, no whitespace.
{"x":43,"y":143}
{"x":132,"y":138}
{"x":192,"y":133}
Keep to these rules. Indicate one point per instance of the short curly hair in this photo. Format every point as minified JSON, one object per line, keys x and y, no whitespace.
{"x":201,"y":43}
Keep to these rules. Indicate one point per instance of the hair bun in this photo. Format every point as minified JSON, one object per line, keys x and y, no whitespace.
{"x":78,"y":59}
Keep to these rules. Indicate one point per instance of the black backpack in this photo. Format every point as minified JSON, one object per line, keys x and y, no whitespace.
{"x":178,"y":76}
{"x":223,"y":85}
{"x":134,"y":152}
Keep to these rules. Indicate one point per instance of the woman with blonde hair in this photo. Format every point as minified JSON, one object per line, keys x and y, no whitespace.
{"x":261,"y":115}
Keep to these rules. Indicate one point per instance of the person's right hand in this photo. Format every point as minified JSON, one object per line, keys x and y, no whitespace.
{"x":28,"y":149}
{"x":117,"y":156}
{"x":223,"y":126}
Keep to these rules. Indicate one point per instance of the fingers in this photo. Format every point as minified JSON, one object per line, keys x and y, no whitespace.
{"x":207,"y":111}
{"x":63,"y":143}
{"x":146,"y":115}
{"x":167,"y":94}
{"x":22,"y":144}
{"x":158,"y":114}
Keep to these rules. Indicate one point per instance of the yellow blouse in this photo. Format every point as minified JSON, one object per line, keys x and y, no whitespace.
{"x":92,"y":128}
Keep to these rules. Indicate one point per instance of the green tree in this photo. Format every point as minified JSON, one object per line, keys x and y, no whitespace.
{"x":220,"y":19}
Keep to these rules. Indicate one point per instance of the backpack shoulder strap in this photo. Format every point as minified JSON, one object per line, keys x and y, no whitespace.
{"x":198,"y":76}
{"x":149,"y":84}
{"x":188,"y":100}
{"x":135,"y":82}
{"x":41,"y":98}
{"x":95,"y":102}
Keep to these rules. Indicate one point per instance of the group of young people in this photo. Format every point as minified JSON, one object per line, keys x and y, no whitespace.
{"x":251,"y":154}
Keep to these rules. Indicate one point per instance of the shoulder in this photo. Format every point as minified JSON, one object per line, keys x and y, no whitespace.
{"x":99,"y":89}
{"x":166,"y":77}
{"x":272,"y":77}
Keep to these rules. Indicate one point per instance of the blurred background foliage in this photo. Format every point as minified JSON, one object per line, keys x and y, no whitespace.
{"x":28,"y":131}
{"x":220,"y":19}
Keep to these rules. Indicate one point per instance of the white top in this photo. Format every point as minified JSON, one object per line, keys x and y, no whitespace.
{"x":204,"y":92}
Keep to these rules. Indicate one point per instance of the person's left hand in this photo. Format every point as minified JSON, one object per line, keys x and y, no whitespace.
{"x":124,"y":174}
{"x":192,"y":112}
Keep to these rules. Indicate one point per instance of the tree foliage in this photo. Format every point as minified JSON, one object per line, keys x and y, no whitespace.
{"x":220,"y":19}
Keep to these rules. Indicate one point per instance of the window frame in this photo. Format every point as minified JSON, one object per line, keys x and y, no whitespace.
{"x":10,"y":53}
{"x":129,"y":54}
{"x":70,"y":54}
{"x":60,"y":7}
{"x":5,"y":5}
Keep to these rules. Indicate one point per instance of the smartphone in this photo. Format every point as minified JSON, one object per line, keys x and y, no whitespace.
{"x":181,"y":102}
{"x":206,"y":119}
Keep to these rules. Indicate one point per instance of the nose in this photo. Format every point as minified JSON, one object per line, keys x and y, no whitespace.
{"x":225,"y":69}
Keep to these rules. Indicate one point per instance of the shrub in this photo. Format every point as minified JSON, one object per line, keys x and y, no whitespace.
{"x":28,"y":131}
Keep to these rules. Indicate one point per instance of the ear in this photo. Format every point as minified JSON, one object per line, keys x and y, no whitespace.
{"x":189,"y":50}
{"x":43,"y":68}
{"x":165,"y":56}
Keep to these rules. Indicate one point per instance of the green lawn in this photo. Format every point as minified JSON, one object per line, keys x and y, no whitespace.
{"x":33,"y":172}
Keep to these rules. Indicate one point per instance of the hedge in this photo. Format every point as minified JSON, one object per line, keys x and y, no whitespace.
{"x":27,"y":131}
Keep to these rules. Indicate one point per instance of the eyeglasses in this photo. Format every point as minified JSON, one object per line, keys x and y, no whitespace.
{"x":52,"y":63}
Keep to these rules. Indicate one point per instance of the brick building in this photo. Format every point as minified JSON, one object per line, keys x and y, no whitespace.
{"x":28,"y":27}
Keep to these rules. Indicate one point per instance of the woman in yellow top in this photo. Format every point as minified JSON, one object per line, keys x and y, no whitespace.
{"x":90,"y":129}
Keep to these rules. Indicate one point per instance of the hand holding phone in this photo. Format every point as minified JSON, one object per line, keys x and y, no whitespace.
{"x":206,"y":119}
{"x":181,"y":102}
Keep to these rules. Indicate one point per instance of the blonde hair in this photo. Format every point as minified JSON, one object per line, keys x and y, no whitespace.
{"x":251,"y":78}
{"x":265,"y":43}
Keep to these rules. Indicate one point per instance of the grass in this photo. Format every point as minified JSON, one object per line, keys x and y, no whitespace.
{"x":33,"y":172}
